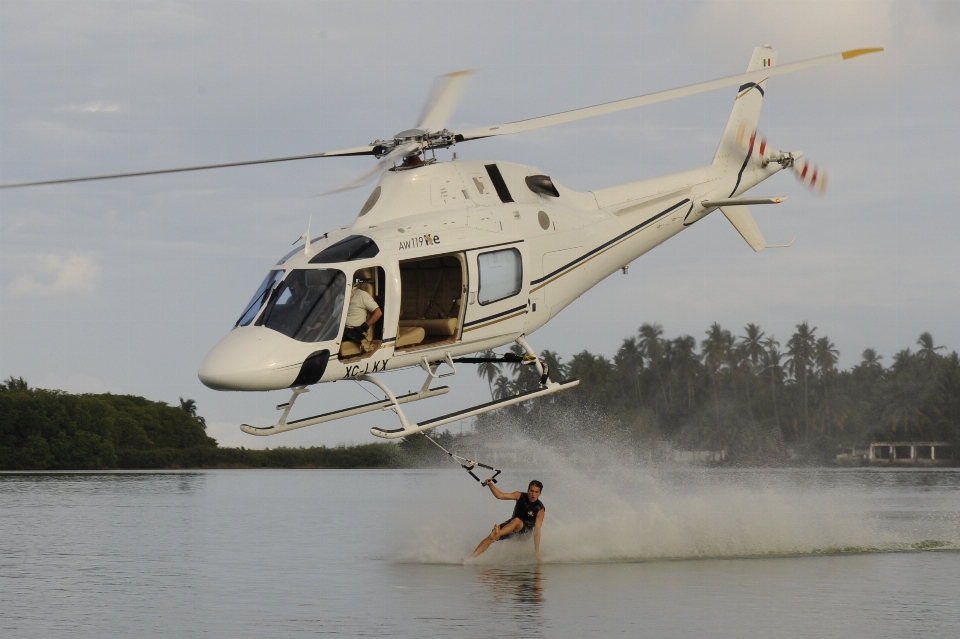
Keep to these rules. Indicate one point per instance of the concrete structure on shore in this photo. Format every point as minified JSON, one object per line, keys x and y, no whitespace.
{"x":910,"y":452}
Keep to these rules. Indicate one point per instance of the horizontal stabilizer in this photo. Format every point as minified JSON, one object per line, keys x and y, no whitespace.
{"x":741,"y":219}
{"x":743,"y":201}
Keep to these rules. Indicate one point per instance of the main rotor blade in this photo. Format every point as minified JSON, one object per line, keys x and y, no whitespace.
{"x":652,"y":98}
{"x":392,"y":156}
{"x":444,"y":98}
{"x":362,"y":150}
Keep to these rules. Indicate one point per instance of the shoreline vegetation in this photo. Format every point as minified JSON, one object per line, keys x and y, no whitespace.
{"x":760,"y":405}
{"x":53,"y":430}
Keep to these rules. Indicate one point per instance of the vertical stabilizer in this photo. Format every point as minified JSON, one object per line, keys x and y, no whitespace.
{"x":741,"y":219}
{"x":746,"y":112}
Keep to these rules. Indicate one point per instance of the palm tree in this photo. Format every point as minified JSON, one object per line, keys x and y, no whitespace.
{"x":751,"y":348}
{"x":870,"y":359}
{"x":686,"y":364}
{"x":715,"y":351}
{"x":771,"y":363}
{"x":503,"y":388}
{"x":189,"y":406}
{"x":15,"y":384}
{"x":927,"y":350}
{"x":801,"y":348}
{"x":652,"y":348}
{"x":753,"y":345}
{"x":629,"y":364}
{"x":489,"y":370}
{"x":593,"y":371}
{"x":825,"y":356}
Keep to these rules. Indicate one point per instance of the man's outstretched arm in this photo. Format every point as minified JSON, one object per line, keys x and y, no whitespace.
{"x":499,"y":494}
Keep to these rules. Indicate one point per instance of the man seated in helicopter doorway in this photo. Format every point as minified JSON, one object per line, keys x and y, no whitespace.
{"x":361,"y":303}
{"x":527,"y":517}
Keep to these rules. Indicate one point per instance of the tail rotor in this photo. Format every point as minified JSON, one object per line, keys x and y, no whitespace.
{"x":810,"y":174}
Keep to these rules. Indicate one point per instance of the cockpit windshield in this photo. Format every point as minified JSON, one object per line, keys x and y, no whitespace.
{"x":308,"y":305}
{"x":261,"y":296}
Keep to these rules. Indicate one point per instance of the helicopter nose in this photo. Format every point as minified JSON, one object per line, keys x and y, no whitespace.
{"x":251,"y":358}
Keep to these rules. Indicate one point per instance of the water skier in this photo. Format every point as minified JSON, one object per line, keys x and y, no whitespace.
{"x":527,"y":517}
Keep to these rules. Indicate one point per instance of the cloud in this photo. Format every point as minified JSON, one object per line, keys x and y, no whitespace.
{"x":52,"y":274}
{"x":90,"y":107}
{"x":912,"y":32}
{"x":800,"y":26}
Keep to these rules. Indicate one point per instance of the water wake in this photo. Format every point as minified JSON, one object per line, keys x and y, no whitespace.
{"x":628,"y":512}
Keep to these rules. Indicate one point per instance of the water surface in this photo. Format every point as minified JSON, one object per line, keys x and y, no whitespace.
{"x":627,"y":551}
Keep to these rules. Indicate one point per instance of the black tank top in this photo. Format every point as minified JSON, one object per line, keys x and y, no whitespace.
{"x":527,"y":512}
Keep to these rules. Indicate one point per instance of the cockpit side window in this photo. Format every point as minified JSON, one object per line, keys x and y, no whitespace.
{"x":355,"y":247}
{"x":308,"y":305}
{"x":259,"y":298}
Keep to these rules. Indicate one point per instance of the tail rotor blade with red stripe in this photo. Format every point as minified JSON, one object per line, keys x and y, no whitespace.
{"x":811,"y":175}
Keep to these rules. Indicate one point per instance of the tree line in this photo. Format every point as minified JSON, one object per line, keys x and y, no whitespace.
{"x":760,"y":400}
{"x":749,"y":394}
{"x":52,"y":430}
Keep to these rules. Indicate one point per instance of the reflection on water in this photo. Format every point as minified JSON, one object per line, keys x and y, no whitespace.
{"x":518,"y":591}
{"x":125,"y":483}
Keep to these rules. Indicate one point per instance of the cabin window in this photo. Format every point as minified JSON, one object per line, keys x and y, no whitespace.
{"x":501,"y":275}
{"x":308,"y":305}
{"x":299,"y":249}
{"x":355,"y":247}
{"x":261,"y":296}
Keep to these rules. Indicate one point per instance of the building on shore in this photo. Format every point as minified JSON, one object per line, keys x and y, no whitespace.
{"x":910,"y":453}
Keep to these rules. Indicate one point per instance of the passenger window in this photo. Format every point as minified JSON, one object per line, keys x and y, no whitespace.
{"x":501,"y":275}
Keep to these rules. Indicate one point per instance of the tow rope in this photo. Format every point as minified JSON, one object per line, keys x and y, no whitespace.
{"x":467,"y":464}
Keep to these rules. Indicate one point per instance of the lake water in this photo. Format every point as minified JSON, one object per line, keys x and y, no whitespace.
{"x":627,"y":552}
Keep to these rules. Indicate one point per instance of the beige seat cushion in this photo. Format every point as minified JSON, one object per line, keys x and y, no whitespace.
{"x":409,"y":336}
{"x":349,"y":349}
{"x":444,"y":327}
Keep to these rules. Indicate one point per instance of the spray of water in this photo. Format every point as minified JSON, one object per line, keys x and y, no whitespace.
{"x":622,"y":510}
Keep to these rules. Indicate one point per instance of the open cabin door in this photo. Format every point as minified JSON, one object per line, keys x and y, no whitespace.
{"x":371,"y":280}
{"x":431,"y":301}
{"x":497,"y":296}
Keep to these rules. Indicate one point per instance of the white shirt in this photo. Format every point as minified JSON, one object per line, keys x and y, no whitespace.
{"x":361,"y":304}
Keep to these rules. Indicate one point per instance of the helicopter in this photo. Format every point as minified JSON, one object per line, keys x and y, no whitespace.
{"x":464,"y":256}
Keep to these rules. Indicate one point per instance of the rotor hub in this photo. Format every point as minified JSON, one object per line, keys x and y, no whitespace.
{"x":425,"y":141}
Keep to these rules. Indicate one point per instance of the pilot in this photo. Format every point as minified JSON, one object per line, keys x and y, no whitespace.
{"x":361,"y":303}
{"x":527,"y":517}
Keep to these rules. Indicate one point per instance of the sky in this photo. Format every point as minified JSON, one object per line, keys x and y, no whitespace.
{"x":123,"y":286}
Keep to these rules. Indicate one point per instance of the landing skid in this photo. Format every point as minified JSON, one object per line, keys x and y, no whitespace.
{"x":283,"y":425}
{"x":392,"y":402}
{"x":411,"y":429}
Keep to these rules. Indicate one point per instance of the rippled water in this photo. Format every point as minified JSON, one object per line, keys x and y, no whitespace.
{"x":627,"y":551}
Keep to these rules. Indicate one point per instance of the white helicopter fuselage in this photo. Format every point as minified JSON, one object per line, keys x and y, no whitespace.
{"x":561,"y":246}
